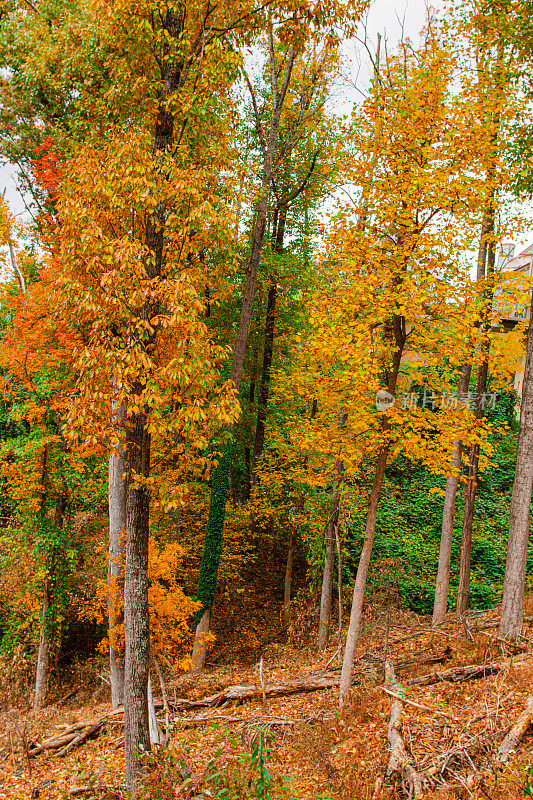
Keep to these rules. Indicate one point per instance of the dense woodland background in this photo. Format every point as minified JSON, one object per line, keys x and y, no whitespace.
{"x":216,"y":280}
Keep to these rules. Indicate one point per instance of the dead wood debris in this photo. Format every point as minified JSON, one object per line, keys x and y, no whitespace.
{"x":399,"y":761}
{"x":457,"y":674}
{"x":308,"y":683}
{"x":68,"y":739}
{"x":516,"y":733}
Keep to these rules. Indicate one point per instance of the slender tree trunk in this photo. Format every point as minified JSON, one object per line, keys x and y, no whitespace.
{"x":43,"y":655}
{"x":152,"y":719}
{"x":117,"y":493}
{"x":512,"y":616}
{"x":136,"y":615}
{"x":397,"y":330}
{"x":288,"y":579}
{"x":339,"y":543}
{"x":278,"y":235}
{"x":265,"y":376}
{"x":16,"y":269}
{"x":470,"y":500}
{"x":207,"y":582}
{"x":247,"y":452}
{"x":442,"y":587}
{"x":329,"y":564}
{"x":463,"y":588}
{"x":485,"y":276}
{"x":362,"y":573}
{"x":220,"y":481}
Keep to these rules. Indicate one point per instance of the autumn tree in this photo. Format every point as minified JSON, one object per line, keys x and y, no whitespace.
{"x":404,"y":261}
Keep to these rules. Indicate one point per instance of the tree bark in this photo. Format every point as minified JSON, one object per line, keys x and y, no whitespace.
{"x":264,"y":388}
{"x":117,"y":492}
{"x":362,"y":572}
{"x":16,"y":269}
{"x":512,"y":616}
{"x":43,"y":655}
{"x":136,"y":613}
{"x":442,"y":586}
{"x":247,"y":452}
{"x":485,"y":273}
{"x":288,"y":579}
{"x":397,"y":330}
{"x":278,"y":235}
{"x":329,"y":563}
{"x":137,"y":441}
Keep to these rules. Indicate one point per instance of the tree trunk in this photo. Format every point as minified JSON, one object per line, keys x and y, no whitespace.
{"x":207,"y":582}
{"x":288,"y":580}
{"x":47,"y":628}
{"x":220,"y":483}
{"x":136,"y":613}
{"x":265,"y":376}
{"x":339,"y":542}
{"x":362,"y":572}
{"x":471,"y":489}
{"x":396,"y":330}
{"x":152,"y":719}
{"x":442,"y":587}
{"x":486,"y":256}
{"x":117,"y":491}
{"x":512,"y":615}
{"x":43,"y":655}
{"x":329,"y":563}
{"x":247,"y":452}
{"x":470,"y":497}
{"x":16,"y":269}
{"x":278,"y":235}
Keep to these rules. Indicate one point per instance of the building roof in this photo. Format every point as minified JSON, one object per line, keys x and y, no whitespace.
{"x":520,"y":263}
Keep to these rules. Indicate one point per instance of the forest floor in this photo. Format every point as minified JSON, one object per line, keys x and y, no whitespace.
{"x":451,"y":729}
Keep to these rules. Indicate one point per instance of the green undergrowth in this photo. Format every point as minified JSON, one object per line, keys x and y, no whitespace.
{"x":406,"y":547}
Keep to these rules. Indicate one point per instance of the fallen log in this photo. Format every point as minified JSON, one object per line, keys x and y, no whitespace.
{"x":51,"y":744}
{"x":456,"y":674}
{"x":515,"y":734}
{"x":308,"y":683}
{"x":81,"y":738}
{"x":399,"y":762}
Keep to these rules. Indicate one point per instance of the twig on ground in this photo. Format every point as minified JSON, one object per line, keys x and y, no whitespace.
{"x":418,"y":705}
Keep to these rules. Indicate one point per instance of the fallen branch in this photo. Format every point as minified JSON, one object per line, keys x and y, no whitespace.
{"x":399,"y":762}
{"x":309,"y":683}
{"x":68,"y":696}
{"x":515,"y":734}
{"x":418,"y":705}
{"x":457,"y":674}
